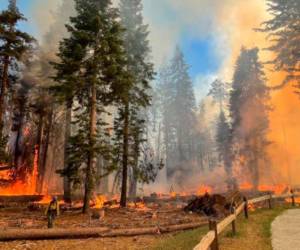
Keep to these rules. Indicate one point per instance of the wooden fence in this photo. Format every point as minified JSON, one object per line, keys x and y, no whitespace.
{"x":210,"y":240}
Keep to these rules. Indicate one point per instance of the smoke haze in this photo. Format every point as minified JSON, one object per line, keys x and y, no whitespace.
{"x":229,"y":24}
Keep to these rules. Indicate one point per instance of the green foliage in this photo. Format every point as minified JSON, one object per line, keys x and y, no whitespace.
{"x":130,"y":128}
{"x":284,"y":33}
{"x":14,"y":43}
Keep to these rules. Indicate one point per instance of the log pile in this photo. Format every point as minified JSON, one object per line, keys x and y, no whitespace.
{"x":215,"y":205}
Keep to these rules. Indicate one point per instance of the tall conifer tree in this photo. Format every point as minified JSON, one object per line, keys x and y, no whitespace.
{"x":178,"y":113}
{"x":249,"y":113}
{"x":93,"y":73}
{"x":138,"y":56}
{"x":13,"y":44}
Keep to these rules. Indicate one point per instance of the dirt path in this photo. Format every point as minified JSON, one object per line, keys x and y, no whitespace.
{"x":286,"y":231}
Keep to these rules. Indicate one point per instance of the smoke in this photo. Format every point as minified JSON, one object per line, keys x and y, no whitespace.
{"x":229,"y":24}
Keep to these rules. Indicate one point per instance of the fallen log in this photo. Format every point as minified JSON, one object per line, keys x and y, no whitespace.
{"x":50,"y":234}
{"x":82,"y":233}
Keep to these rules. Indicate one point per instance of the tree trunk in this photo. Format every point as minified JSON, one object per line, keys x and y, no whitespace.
{"x":3,"y":93}
{"x":38,"y":146}
{"x":133,"y":186}
{"x":66,"y":181}
{"x":45,"y":151}
{"x":19,"y":134}
{"x":91,"y":156}
{"x":123,"y":200}
{"x":133,"y":181}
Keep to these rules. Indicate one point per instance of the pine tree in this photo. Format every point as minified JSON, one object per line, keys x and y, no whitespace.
{"x":284,"y":33}
{"x":98,"y":75}
{"x":138,"y":62}
{"x":219,"y":92}
{"x":14,"y":43}
{"x":249,"y":112}
{"x":178,"y":113}
{"x":71,"y":55}
{"x":224,"y":145}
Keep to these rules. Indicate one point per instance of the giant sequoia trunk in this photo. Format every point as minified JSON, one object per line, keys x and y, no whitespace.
{"x":3,"y":93}
{"x":123,"y":200}
{"x":91,"y":156}
{"x":66,"y":181}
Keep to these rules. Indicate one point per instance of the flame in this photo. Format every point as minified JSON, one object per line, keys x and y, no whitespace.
{"x":22,"y":187}
{"x":139,"y":206}
{"x":276,"y":189}
{"x":173,"y":194}
{"x":246,"y":186}
{"x":202,"y":190}
{"x":99,"y":201}
{"x":45,"y":200}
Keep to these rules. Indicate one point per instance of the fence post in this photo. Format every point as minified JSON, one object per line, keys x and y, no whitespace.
{"x":213,"y":227}
{"x":293,"y":198}
{"x":246,"y":208}
{"x":270,"y":201}
{"x":233,"y":225}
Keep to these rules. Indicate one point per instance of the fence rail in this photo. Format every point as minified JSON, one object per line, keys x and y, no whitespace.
{"x":210,"y":240}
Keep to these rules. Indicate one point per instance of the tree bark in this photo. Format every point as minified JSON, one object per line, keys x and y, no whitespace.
{"x":19,"y":134}
{"x":38,"y":145}
{"x":66,"y":178}
{"x":45,"y":150}
{"x":91,"y":156}
{"x":3,"y":93}
{"x":123,"y":200}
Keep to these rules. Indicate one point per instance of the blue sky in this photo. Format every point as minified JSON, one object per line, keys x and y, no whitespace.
{"x":199,"y":51}
{"x":25,"y":7}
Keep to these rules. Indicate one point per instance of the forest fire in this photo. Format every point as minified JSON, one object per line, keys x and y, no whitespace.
{"x":204,"y":189}
{"x":21,"y":187}
{"x":99,"y":201}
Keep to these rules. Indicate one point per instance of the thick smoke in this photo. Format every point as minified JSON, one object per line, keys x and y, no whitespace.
{"x":229,"y":24}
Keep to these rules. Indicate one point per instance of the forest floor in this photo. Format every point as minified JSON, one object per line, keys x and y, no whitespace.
{"x":115,"y":218}
{"x":254,"y":233}
{"x":164,"y":214}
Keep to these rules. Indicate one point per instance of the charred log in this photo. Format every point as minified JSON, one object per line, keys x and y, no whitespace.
{"x":214,"y":205}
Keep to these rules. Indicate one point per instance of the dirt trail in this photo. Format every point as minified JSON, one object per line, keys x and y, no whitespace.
{"x":286,"y":231}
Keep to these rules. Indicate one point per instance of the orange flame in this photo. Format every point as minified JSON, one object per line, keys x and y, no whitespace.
{"x":202,"y":190}
{"x":99,"y":201}
{"x":22,"y":187}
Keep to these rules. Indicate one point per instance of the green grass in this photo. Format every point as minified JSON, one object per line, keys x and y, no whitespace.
{"x":254,"y":233}
{"x":184,"y":240}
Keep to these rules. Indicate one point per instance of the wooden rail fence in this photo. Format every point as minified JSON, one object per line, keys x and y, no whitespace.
{"x":210,"y":240}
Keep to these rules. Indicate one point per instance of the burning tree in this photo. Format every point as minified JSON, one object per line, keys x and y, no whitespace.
{"x":249,"y":113}
{"x":14,"y":44}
